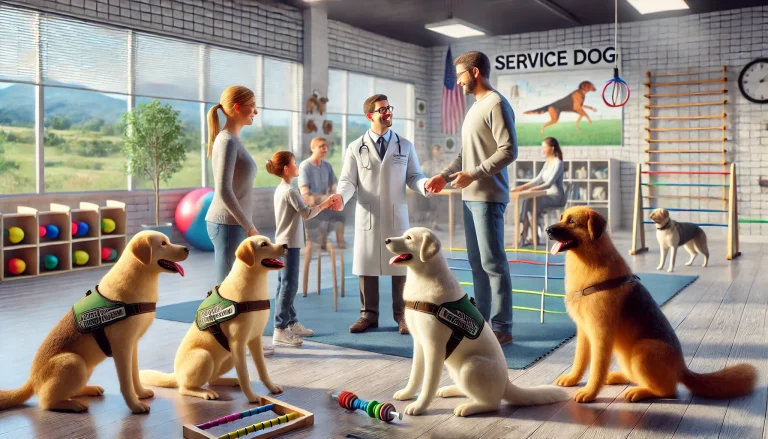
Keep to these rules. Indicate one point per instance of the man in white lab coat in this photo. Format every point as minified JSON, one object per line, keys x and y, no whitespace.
{"x":378,"y":165}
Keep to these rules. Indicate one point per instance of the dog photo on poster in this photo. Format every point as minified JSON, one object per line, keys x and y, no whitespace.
{"x":566,"y":105}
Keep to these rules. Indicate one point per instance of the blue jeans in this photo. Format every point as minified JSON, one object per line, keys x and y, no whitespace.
{"x":226,"y":238}
{"x":484,"y":228}
{"x":288,"y":286}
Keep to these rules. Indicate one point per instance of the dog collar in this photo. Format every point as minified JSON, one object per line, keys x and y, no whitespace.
{"x":462,"y":316}
{"x":608,"y":284}
{"x":666,"y":226}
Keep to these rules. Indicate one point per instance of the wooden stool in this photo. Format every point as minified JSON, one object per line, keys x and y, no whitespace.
{"x":308,"y":258}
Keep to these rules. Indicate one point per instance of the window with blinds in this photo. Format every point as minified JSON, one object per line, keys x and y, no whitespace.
{"x":89,"y":71}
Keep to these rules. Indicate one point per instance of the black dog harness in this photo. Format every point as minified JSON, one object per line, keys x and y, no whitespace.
{"x":608,"y":284}
{"x":462,"y":316}
{"x":216,"y":310}
{"x":95,"y":312}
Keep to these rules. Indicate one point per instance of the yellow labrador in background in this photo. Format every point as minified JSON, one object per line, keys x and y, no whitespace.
{"x":123,"y":306}
{"x":447,"y":329}
{"x":672,"y":234}
{"x":241,"y":308}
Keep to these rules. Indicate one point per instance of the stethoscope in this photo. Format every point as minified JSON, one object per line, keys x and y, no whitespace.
{"x":368,"y":151}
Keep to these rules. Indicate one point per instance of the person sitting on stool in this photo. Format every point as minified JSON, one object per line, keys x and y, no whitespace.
{"x":317,"y":182}
{"x":550,"y":178}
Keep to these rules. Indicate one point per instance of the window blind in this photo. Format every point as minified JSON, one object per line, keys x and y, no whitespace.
{"x":18,"y":55}
{"x":167,"y":68}
{"x":282,"y":88}
{"x":227,"y":67}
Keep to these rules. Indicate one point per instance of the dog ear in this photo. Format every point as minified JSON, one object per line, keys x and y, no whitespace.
{"x":595,"y":225}
{"x":245,"y":253}
{"x":430,"y":246}
{"x":142,"y":249}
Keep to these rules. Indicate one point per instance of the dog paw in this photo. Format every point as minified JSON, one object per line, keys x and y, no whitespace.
{"x":92,"y":391}
{"x":637,"y":394}
{"x":139,"y":408}
{"x":254,"y":399}
{"x":403,"y":395}
{"x":689,"y":263}
{"x":415,"y":409}
{"x":567,"y":381}
{"x":145,"y":393}
{"x":275,"y":389}
{"x":670,"y":270}
{"x":583,"y":396}
{"x":659,"y":267}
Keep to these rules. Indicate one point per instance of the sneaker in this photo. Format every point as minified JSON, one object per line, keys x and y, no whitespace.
{"x":299,"y":329}
{"x":267,"y":349}
{"x":286,"y":338}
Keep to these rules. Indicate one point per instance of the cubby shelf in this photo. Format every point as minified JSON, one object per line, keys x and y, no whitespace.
{"x":34,"y":249}
{"x":586,"y":176}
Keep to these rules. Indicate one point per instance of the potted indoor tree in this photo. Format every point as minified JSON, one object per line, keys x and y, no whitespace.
{"x":153,"y":149}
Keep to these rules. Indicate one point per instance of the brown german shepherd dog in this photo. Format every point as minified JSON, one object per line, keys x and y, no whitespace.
{"x":619,"y":315}
{"x":574,"y":102}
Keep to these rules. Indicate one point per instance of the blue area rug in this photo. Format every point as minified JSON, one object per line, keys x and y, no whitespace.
{"x":533,"y":340}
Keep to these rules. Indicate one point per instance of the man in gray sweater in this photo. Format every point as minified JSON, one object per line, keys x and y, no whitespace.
{"x":488,"y":146}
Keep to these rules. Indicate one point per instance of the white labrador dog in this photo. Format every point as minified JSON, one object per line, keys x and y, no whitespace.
{"x":442,"y":320}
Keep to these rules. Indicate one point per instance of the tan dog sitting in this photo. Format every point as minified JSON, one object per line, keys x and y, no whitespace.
{"x":615,"y":313}
{"x":108,"y":321}
{"x":232,"y":319}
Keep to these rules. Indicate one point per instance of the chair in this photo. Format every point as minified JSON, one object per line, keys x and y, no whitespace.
{"x":551,"y":215}
{"x":309,"y":251}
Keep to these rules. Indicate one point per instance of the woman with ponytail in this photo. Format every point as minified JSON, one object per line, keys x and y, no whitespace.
{"x":290,"y":213}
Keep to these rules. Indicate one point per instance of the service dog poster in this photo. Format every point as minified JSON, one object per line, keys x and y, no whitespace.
{"x":560,"y":96}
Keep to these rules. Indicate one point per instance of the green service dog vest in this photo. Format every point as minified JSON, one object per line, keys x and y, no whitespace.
{"x":216,"y":310}
{"x":462,"y":316}
{"x":95,"y":312}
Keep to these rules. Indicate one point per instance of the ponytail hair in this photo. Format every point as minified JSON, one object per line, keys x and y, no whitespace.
{"x":551,"y":141}
{"x":235,"y":94}
{"x":276,"y":165}
{"x":213,"y":126}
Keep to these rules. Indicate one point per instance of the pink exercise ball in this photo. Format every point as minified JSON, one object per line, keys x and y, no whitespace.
{"x":188,"y":208}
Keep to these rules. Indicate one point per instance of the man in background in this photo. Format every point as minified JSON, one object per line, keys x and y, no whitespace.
{"x":317,"y":181}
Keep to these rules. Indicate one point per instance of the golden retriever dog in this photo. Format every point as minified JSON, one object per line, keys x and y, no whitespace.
{"x":672,"y":234}
{"x":615,"y":313}
{"x":202,"y":357}
{"x":75,"y":346}
{"x":448,"y":329}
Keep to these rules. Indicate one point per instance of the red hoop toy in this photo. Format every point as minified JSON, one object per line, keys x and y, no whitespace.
{"x":618,"y":85}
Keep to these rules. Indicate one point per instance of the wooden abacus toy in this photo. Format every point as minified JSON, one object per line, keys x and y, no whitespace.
{"x":379,"y":410}
{"x":290,"y":418}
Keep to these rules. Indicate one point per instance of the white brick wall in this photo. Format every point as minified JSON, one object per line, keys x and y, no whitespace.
{"x":691,"y":43}
{"x":269,"y":29}
{"x":360,"y":51}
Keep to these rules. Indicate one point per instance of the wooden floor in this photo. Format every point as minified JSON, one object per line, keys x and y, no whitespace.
{"x":720,"y":320}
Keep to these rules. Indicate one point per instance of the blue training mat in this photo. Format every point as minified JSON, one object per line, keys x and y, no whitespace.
{"x":532,"y":340}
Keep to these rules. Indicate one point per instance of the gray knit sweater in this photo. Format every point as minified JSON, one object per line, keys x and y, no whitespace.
{"x":233,"y":173}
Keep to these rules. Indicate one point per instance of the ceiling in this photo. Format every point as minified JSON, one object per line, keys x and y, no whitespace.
{"x":404,"y":20}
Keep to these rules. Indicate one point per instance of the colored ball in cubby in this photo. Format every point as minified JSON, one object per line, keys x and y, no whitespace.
{"x":50,"y":262}
{"x":42,"y":231}
{"x":16,"y":266}
{"x":74,"y":228}
{"x":190,"y":218}
{"x":82,"y":228}
{"x":108,"y":254}
{"x":107,"y":225}
{"x":52,"y":231}
{"x":80,"y":257}
{"x":15,"y":235}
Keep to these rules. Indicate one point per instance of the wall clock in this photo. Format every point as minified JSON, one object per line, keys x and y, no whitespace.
{"x":753,"y":81}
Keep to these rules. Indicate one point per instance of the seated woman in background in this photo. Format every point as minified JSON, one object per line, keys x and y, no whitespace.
{"x":551,"y":179}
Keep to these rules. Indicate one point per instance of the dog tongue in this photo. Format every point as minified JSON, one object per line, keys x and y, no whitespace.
{"x":556,"y":248}
{"x":179,"y":268}
{"x":397,"y":258}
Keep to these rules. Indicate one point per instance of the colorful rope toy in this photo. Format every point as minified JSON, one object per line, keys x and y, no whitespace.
{"x":379,"y":410}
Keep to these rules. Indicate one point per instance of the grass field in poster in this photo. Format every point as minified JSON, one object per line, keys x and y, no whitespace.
{"x":550,"y":92}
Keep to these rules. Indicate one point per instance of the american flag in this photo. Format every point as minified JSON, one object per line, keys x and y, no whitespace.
{"x":454,"y":104}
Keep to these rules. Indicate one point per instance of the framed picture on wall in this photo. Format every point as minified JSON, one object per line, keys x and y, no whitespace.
{"x":421,"y":106}
{"x":421,"y":124}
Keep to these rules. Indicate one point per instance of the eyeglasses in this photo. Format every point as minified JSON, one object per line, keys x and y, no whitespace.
{"x":458,"y":75}
{"x":382,"y":110}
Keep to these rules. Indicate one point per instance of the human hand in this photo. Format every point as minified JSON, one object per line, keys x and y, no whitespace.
{"x":517,"y":189}
{"x":337,"y":203}
{"x":462,"y":179}
{"x":252,"y":232}
{"x":435,"y":184}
